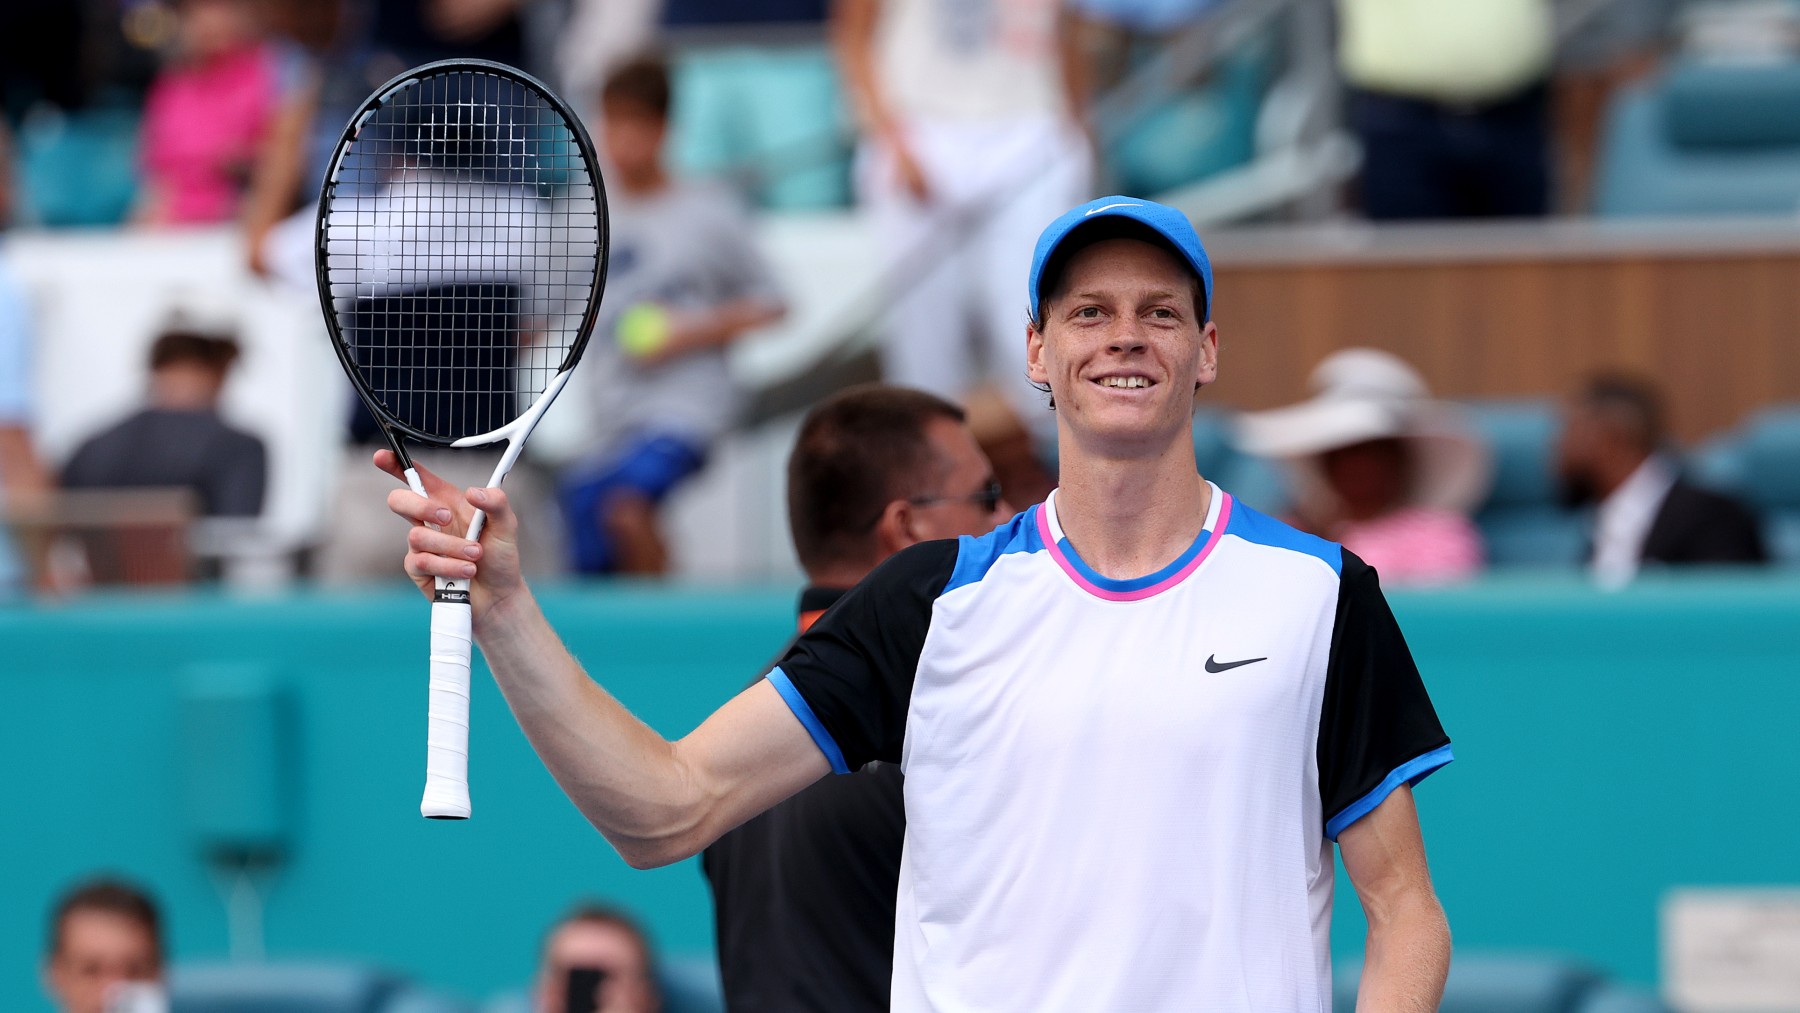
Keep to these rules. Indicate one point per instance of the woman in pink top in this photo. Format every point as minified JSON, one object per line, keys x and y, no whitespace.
{"x":207,"y":115}
{"x":1379,"y":466}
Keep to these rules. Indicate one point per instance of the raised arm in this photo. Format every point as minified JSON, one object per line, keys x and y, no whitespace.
{"x":1407,"y":955}
{"x":853,"y":27}
{"x":656,"y":801}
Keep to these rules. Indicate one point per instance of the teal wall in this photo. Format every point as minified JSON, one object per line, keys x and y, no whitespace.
{"x":1608,"y":746}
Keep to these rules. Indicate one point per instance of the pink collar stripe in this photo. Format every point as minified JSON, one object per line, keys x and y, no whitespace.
{"x":1074,"y":567}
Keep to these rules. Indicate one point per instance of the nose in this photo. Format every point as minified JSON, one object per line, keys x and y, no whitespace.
{"x":1127,"y":337}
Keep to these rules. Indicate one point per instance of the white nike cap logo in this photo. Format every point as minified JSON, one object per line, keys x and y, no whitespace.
{"x":1108,"y":207}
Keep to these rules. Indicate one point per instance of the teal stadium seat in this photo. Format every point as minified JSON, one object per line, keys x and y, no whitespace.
{"x":1196,"y":133}
{"x":1498,"y":982}
{"x":1764,"y":453}
{"x":1704,"y":139}
{"x":1521,"y":521}
{"x":1254,"y":481}
{"x":776,"y":111}
{"x":298,"y":988}
{"x":78,"y":168}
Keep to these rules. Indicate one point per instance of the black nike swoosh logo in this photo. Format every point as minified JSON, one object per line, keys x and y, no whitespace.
{"x":1216,"y":666}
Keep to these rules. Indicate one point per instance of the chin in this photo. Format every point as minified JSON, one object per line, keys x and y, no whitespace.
{"x":1134,"y":424}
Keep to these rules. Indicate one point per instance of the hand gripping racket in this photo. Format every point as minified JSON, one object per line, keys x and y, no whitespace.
{"x":461,"y":252}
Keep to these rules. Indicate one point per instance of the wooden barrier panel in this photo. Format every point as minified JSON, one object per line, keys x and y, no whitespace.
{"x":1711,"y":309}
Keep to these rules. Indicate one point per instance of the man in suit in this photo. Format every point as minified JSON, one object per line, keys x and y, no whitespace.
{"x":1613,"y":454}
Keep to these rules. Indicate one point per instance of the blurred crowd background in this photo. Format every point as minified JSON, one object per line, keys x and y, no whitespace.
{"x":1504,"y":287}
{"x":828,"y":193}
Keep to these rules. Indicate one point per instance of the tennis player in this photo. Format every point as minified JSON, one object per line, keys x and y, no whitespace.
{"x":1133,"y":719}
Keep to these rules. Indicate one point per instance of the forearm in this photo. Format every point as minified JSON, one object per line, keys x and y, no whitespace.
{"x":21,"y":473}
{"x":275,"y":185}
{"x":1072,"y":56}
{"x":853,"y":41}
{"x":628,"y":780}
{"x":656,"y":801}
{"x":1406,"y":959}
{"x":722,"y":325}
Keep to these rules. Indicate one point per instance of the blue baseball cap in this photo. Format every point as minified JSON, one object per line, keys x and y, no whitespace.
{"x":1165,"y":221}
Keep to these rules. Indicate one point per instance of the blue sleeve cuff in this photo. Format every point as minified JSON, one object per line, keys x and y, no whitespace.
{"x":1411,"y":772}
{"x":814,"y":727}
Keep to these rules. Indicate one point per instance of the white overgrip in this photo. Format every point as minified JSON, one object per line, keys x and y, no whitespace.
{"x":447,"y":719}
{"x":447,"y":726}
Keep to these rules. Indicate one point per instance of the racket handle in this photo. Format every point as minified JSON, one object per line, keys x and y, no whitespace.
{"x":447,"y":735}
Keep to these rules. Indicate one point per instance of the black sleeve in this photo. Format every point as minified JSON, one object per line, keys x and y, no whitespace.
{"x":1377,"y":729}
{"x":849,"y":678}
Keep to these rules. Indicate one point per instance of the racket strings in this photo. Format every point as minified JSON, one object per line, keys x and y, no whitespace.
{"x":462,"y":241}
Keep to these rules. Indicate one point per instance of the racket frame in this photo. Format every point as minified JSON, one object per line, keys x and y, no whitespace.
{"x":446,"y":793}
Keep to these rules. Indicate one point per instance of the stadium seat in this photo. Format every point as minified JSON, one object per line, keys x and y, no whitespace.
{"x":1195,"y":133}
{"x":690,"y":985}
{"x":1212,"y":441}
{"x":1612,"y":998}
{"x":298,"y":988}
{"x":1703,"y":139}
{"x":1520,"y":520}
{"x":78,"y":168}
{"x":1768,"y":447}
{"x":772,"y":118}
{"x":1498,"y":982}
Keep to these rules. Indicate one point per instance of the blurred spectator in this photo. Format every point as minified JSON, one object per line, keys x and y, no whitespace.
{"x":1380,"y":467}
{"x":284,"y":181}
{"x":104,"y":935}
{"x":355,"y":46}
{"x":180,"y":440}
{"x":209,"y":113}
{"x":598,"y":37}
{"x":406,"y":33}
{"x":1451,"y":104}
{"x":1614,"y":453}
{"x":22,"y":475}
{"x":596,"y":960}
{"x":971,"y":116}
{"x":685,"y":280}
{"x":804,"y":894}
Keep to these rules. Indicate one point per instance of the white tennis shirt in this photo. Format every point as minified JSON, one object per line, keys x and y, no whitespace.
{"x":1120,"y":794}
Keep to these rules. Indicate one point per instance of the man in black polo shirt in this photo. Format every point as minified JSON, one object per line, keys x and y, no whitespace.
{"x":804,"y":893}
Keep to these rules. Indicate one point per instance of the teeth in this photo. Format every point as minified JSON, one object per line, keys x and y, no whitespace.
{"x":1125,"y":382}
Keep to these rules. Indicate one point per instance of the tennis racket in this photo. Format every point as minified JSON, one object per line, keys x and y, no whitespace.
{"x":460,"y":249}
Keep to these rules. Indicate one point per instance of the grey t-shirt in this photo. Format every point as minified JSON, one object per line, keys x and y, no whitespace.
{"x":687,"y":247}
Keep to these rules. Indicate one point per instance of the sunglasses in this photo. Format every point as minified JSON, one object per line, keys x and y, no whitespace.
{"x":987,"y":497}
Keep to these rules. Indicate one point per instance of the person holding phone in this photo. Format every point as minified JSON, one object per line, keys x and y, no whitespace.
{"x":105,"y":941}
{"x":596,"y":960}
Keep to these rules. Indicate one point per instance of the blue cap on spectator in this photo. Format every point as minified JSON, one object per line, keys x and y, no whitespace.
{"x":1165,"y":221}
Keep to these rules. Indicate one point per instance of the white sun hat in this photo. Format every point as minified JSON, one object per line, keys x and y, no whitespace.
{"x":1366,"y":394}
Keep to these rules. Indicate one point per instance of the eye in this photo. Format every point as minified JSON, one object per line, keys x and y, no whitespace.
{"x":1163,"y":313}
{"x":1088,"y":313}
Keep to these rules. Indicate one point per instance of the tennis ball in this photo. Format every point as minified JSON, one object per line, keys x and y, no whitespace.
{"x":643,"y":330}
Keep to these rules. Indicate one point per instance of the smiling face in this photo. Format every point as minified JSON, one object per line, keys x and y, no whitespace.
{"x":1122,"y":347}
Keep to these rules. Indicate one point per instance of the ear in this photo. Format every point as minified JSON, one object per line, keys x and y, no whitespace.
{"x":894,"y":531}
{"x":1209,"y":354}
{"x":1036,"y":370}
